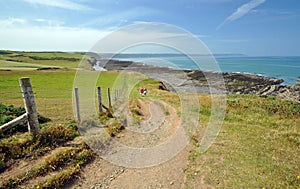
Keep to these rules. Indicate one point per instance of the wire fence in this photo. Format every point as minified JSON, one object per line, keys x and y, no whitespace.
{"x":52,"y":102}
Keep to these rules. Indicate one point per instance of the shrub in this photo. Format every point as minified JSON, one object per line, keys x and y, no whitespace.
{"x":55,"y":135}
{"x":8,"y":113}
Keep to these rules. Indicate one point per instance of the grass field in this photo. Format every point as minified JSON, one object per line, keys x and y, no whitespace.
{"x":258,"y":146}
{"x":18,"y":60}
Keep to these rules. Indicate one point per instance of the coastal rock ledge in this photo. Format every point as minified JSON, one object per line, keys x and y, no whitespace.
{"x":195,"y":80}
{"x":237,"y":83}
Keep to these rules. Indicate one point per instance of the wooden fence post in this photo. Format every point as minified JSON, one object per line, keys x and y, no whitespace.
{"x":99,"y":100}
{"x":109,"y":99}
{"x":30,"y":107}
{"x":115,"y":95}
{"x":118,"y":91}
{"x":77,"y":105}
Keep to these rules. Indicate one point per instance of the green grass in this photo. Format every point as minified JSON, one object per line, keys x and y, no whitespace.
{"x":67,"y":162}
{"x":18,"y":60}
{"x":258,"y":145}
{"x":53,"y":91}
{"x":58,"y":168}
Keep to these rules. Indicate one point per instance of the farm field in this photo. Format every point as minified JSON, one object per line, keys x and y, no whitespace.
{"x":18,"y":60}
{"x":257,"y":147}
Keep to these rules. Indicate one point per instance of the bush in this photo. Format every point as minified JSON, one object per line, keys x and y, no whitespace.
{"x":2,"y":163}
{"x":55,"y":135}
{"x":11,"y":110}
{"x":5,"y":52}
{"x":8,"y":113}
{"x":4,"y":119}
{"x":48,"y":68}
{"x":23,"y":144}
{"x":54,"y":58}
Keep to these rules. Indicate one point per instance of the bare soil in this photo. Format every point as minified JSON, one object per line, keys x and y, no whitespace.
{"x":170,"y":174}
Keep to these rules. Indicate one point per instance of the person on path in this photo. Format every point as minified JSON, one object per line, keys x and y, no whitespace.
{"x":143,"y":91}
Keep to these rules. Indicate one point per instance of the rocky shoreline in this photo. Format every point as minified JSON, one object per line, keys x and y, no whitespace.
{"x":238,"y":83}
{"x":195,"y":80}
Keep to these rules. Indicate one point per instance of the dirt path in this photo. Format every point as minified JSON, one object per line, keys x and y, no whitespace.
{"x":160,"y":122}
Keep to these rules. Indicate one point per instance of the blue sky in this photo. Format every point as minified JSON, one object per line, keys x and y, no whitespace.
{"x":251,"y":27}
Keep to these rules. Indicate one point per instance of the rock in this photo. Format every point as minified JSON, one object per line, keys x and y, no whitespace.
{"x":183,"y":80}
{"x":162,"y":86}
{"x":269,"y":90}
{"x":297,"y":85}
{"x":298,"y":81}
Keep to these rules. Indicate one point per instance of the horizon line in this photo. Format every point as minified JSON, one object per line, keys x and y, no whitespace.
{"x":145,"y":53}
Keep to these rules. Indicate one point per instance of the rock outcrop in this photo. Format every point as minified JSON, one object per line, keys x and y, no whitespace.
{"x":237,"y":83}
{"x":196,"y":80}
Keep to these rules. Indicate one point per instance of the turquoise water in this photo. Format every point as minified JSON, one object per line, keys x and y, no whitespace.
{"x":286,"y":68}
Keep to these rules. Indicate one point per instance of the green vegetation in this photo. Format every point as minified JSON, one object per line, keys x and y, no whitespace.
{"x":257,"y":147}
{"x":48,"y":152}
{"x":111,"y":124}
{"x":5,"y":52}
{"x":69,"y":159}
{"x":19,"y":60}
{"x":8,"y":113}
{"x":135,"y":109}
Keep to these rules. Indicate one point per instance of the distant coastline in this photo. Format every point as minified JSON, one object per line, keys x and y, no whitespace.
{"x":286,"y":68}
{"x":186,"y":79}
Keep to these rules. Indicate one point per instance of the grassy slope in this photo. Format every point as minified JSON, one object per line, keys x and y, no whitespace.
{"x":258,"y":145}
{"x":16,"y":60}
{"x":53,"y":94}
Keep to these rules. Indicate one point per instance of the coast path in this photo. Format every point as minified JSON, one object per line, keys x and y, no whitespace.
{"x":170,"y":174}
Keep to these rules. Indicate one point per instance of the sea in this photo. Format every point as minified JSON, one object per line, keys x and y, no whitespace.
{"x":275,"y":67}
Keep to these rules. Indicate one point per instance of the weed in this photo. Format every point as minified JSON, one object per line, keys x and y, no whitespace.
{"x":114,"y":127}
{"x":2,"y":162}
{"x":68,"y":156}
{"x":135,"y":108}
{"x":56,"y":134}
{"x":58,"y":179}
{"x":167,"y":113}
{"x":23,"y":144}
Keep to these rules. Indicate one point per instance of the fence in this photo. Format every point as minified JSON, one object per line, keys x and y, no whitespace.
{"x":116,"y":94}
{"x":30,"y":107}
{"x":51,"y":101}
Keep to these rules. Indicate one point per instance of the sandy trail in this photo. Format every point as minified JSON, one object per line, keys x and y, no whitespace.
{"x":156,"y":128}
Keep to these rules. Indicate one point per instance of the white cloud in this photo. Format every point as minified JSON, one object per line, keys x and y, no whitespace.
{"x":33,"y":36}
{"x":48,"y":37}
{"x":200,"y":36}
{"x":49,"y":22}
{"x":242,"y":11}
{"x":40,"y":20}
{"x":120,"y":18}
{"x":143,"y":34}
{"x":65,"y":4}
{"x":12,"y":22}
